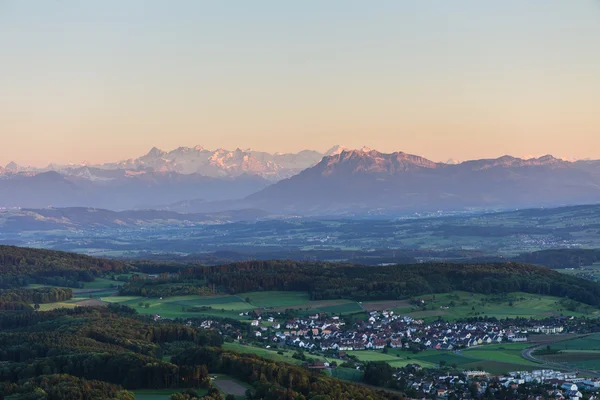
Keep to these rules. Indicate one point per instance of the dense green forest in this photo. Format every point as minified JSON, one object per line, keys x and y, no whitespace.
{"x":23,"y":266}
{"x":561,"y":258}
{"x":21,"y":299}
{"x":333,"y":281}
{"x":96,"y":352}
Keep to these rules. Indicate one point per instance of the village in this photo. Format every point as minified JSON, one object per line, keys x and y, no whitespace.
{"x":536,"y":384}
{"x":385,"y":329}
{"x":322,"y":334}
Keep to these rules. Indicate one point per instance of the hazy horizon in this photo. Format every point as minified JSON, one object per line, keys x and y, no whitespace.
{"x":106,"y":81}
{"x":145,"y":151}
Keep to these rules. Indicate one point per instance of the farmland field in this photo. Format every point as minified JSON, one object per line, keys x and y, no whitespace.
{"x":394,"y":361}
{"x":496,"y":367}
{"x":457,"y":305}
{"x":573,"y":358}
{"x":436,"y":356}
{"x":386,"y":305}
{"x":181,"y":306}
{"x":276,"y":298}
{"x":102,"y":283}
{"x":266,"y":353}
{"x":348,"y":374}
{"x":591,"y":342}
{"x":346,"y":308}
{"x":499,"y":355}
{"x":496,"y":359}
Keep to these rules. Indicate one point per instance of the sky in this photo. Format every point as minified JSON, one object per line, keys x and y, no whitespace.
{"x":105,"y":80}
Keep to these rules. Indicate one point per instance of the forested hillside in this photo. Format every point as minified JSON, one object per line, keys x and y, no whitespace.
{"x":331,"y":281}
{"x":561,"y":258}
{"x":21,"y":266}
{"x":96,"y":352}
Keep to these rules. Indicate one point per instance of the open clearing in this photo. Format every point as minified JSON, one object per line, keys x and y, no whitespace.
{"x":271,"y":354}
{"x":591,"y":342}
{"x":583,"y":352}
{"x":230,"y":387}
{"x":276,"y":299}
{"x":395,"y":361}
{"x":496,"y":359}
{"x":161,"y":394}
{"x":459,"y":305}
{"x":185,"y":306}
{"x":385,"y":305}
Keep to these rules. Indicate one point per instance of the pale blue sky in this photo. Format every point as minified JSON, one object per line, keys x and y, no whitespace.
{"x":106,"y":80}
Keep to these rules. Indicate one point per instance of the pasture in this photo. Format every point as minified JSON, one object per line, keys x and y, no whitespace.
{"x":591,"y":342}
{"x":512,"y":356}
{"x":102,"y":283}
{"x":493,"y":358}
{"x":459,"y":305}
{"x":397,"y":361}
{"x":184,"y":306}
{"x":271,"y":354}
{"x":276,"y":299}
{"x":347,"y":374}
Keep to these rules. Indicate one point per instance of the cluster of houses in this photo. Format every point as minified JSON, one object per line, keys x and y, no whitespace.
{"x":566,"y":384}
{"x":556,"y":384}
{"x":385,"y":329}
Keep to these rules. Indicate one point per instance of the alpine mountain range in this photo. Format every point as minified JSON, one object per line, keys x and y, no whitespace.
{"x":339,"y":181}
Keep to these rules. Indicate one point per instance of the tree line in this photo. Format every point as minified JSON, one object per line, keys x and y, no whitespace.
{"x":333,"y":281}
{"x":21,"y":299}
{"x":21,"y":266}
{"x":98,"y":351}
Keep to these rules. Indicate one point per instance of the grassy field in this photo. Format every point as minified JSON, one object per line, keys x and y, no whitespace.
{"x":276,"y":299}
{"x":348,"y":374}
{"x":266,"y":353}
{"x":397,"y":361}
{"x":230,"y":385}
{"x":591,"y":342}
{"x":102,"y":283}
{"x":450,"y":306}
{"x":580,"y":353}
{"x":497,"y":367}
{"x":500,"y":355}
{"x":493,"y":358}
{"x":457,"y":305}
{"x":161,"y":394}
{"x":280,"y":301}
{"x":54,"y":306}
{"x":182,"y":306}
{"x":576,"y":358}
{"x":435,"y":357}
{"x":346,"y":307}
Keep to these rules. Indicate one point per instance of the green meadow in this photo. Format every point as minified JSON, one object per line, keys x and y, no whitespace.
{"x":459,"y":305}
{"x":184,"y":306}
{"x":493,"y":358}
{"x":276,"y":299}
{"x":271,"y":354}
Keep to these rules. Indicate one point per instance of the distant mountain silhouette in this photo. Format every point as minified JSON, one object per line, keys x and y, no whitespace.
{"x":369,"y":181}
{"x":195,"y":180}
{"x":119,"y":189}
